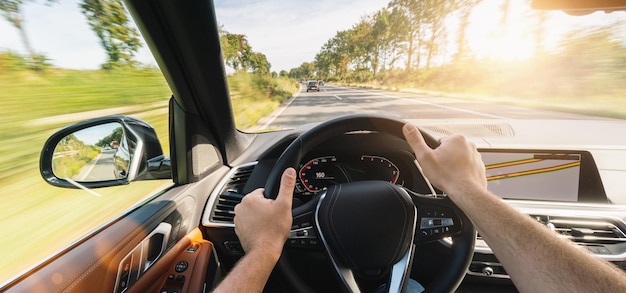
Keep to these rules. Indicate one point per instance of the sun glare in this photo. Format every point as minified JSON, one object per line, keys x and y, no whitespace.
{"x":494,"y":37}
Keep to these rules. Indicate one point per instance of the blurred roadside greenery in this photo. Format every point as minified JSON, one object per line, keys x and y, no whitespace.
{"x":38,"y":219}
{"x":254,"y":96}
{"x":70,"y":164}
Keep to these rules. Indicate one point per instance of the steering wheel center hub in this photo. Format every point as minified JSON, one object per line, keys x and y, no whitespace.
{"x":366,"y":226}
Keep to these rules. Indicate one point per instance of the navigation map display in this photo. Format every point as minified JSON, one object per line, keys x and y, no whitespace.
{"x":533,"y":176}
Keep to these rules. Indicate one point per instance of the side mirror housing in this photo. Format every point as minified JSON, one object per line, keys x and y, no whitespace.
{"x":102,"y":152}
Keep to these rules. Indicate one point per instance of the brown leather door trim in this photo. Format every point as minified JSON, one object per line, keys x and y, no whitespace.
{"x":193,"y":250}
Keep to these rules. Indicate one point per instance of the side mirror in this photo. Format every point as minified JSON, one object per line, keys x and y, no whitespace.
{"x":102,"y":152}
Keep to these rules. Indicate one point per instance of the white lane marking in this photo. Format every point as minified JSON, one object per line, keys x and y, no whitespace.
{"x":277,"y":113}
{"x":337,"y":97}
{"x":93,"y":163}
{"x":437,"y":105}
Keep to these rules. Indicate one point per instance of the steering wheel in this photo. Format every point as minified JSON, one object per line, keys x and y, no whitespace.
{"x":371,"y":228}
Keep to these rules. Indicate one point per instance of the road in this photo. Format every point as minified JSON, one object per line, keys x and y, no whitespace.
{"x":332,"y":101}
{"x":100,"y":168}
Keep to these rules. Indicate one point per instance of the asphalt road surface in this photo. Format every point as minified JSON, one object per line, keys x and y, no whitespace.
{"x":332,"y":101}
{"x":100,"y":168}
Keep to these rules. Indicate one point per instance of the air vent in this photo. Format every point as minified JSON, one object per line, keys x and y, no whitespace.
{"x":230,"y":195}
{"x":587,"y":230}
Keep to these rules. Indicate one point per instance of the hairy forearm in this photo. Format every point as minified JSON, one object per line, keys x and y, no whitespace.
{"x":536,"y":259}
{"x":250,"y":273}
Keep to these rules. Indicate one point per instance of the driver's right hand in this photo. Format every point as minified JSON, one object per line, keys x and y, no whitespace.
{"x":454,"y":167}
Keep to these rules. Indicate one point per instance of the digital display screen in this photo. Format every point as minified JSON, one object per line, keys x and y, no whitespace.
{"x":533,"y":176}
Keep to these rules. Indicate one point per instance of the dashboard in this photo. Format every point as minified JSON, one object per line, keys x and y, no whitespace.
{"x":560,"y":188}
{"x":542,"y":175}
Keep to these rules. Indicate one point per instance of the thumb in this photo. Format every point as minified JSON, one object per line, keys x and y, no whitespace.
{"x":415,"y":140}
{"x":287,"y":184}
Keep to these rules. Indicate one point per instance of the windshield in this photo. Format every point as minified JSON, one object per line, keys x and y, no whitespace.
{"x":419,"y":60}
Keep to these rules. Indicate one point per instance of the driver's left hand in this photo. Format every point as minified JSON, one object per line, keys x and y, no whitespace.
{"x":264,"y":224}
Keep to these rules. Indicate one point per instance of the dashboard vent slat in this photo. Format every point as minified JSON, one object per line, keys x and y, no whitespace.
{"x":588,"y":230}
{"x":231,"y":195}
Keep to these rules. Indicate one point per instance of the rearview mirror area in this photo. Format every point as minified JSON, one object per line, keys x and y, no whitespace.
{"x":579,"y":7}
{"x":101,"y":152}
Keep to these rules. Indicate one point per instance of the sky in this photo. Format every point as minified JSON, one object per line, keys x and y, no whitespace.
{"x":297,"y":30}
{"x":288,"y":32}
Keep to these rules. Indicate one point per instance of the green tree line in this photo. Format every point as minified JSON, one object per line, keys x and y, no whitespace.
{"x":116,"y":135}
{"x":403,"y":45}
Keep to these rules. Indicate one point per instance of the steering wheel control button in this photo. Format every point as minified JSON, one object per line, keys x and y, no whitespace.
{"x":426,"y":223}
{"x":437,"y":222}
{"x":181,"y":266}
{"x":303,"y":238}
{"x":307,"y":232}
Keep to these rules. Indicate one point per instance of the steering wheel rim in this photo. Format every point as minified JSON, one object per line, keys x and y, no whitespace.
{"x":463,"y":242}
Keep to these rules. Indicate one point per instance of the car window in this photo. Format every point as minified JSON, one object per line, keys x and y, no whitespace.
{"x":55,"y":71}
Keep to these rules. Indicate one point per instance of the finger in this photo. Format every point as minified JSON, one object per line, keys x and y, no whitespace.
{"x":287,"y":184}
{"x":415,"y":139}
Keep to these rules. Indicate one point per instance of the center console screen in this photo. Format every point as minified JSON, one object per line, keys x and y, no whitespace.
{"x":549,"y":176}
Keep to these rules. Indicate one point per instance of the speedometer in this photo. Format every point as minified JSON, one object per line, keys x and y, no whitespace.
{"x":320,"y":173}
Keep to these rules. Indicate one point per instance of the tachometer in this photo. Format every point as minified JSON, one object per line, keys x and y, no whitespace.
{"x":320,"y":173}
{"x":380,"y":168}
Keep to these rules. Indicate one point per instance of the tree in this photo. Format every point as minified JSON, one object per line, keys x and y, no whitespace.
{"x":336,"y":56}
{"x":257,"y":62}
{"x":11,"y":11}
{"x":283,"y":73}
{"x":109,"y":20}
{"x":306,"y":70}
{"x":235,"y":49}
{"x":465,"y":8}
{"x":436,"y":12}
{"x":539,"y":31}
{"x":409,"y":16}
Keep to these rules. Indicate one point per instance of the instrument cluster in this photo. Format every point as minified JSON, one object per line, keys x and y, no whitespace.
{"x":320,"y":172}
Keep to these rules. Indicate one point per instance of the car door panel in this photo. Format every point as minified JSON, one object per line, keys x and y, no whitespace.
{"x":191,"y":250}
{"x":92,"y":264}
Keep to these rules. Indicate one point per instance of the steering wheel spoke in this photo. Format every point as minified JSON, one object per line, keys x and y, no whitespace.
{"x":438,"y":217}
{"x":303,"y":234}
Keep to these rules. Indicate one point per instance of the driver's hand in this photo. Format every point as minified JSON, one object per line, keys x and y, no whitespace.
{"x":262,"y":223}
{"x":454,"y":167}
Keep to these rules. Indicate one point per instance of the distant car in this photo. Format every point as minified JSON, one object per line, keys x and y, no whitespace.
{"x":320,"y":82}
{"x":313,"y":86}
